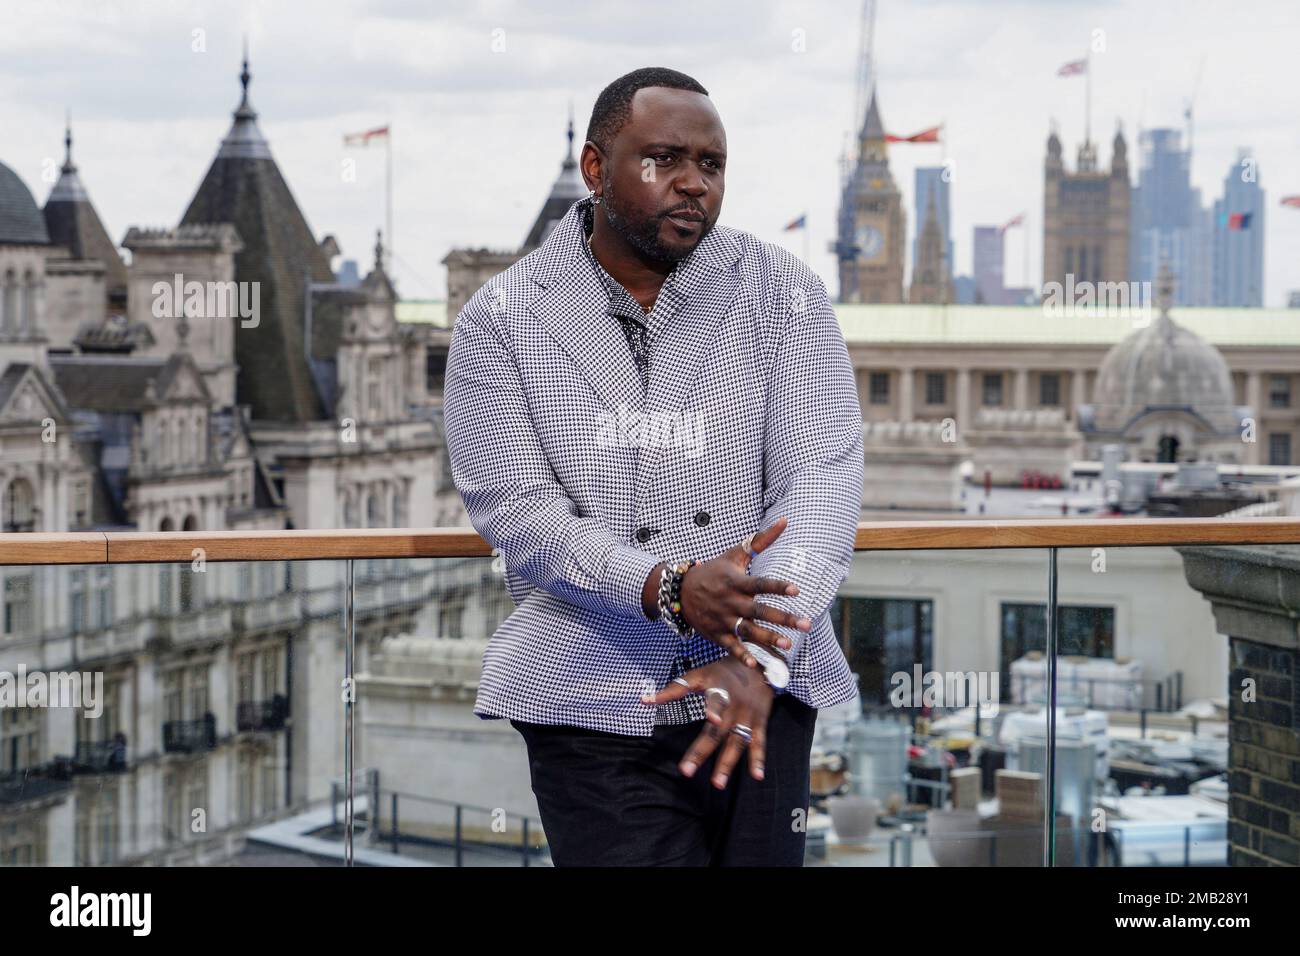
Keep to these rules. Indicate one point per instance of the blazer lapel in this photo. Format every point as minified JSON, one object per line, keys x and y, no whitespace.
{"x":573,"y":312}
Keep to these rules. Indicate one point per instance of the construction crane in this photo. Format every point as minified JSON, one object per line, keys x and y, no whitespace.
{"x":865,"y":82}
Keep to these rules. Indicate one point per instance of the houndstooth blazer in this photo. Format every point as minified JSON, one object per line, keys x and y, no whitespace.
{"x":583,"y":483}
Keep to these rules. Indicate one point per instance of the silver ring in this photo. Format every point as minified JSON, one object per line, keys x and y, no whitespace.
{"x":744,"y":732}
{"x":721,"y":692}
{"x":736,"y":627}
{"x":682,"y":680}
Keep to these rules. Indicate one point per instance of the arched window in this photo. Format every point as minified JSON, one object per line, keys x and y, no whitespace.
{"x":19,"y":506}
{"x":9,"y":303}
{"x":27,"y":318}
{"x":190,"y":523}
{"x":349,"y":510}
{"x":399,"y":506}
{"x":166,"y":525}
{"x":374,"y":511}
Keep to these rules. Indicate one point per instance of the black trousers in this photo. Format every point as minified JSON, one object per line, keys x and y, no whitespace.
{"x":614,"y":800}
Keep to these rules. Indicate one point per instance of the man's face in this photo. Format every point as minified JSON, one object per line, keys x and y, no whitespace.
{"x":662,"y":180}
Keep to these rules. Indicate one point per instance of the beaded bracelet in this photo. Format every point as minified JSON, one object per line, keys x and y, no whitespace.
{"x":670,"y":595}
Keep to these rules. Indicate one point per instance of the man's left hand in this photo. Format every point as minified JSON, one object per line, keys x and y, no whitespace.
{"x":749,"y":705}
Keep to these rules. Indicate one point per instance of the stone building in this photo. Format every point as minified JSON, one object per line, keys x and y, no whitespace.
{"x":1086,"y":216}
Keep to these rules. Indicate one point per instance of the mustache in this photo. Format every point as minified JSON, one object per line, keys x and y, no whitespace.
{"x":697,"y":210}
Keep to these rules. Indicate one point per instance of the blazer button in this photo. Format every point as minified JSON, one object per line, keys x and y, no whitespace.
{"x":702,"y":518}
{"x":643,"y":534}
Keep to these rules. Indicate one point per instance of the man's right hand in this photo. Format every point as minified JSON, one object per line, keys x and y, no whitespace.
{"x":717,"y":591}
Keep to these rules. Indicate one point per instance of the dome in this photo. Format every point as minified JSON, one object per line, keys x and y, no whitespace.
{"x":21,"y":221}
{"x":1164,"y":367}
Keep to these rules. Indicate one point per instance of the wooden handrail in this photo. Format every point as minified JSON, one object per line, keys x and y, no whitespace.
{"x":138,"y":547}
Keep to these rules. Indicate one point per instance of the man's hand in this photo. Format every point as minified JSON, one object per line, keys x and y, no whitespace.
{"x":749,"y":705}
{"x":717,"y":591}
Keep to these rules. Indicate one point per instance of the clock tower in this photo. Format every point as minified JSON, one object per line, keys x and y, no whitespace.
{"x":872,"y":226}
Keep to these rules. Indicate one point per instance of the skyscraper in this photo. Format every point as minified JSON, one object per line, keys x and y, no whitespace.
{"x":1239,"y":236}
{"x":1169,"y":223}
{"x":988,"y":250}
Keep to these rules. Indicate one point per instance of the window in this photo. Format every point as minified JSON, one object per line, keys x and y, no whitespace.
{"x":1279,"y":448}
{"x":1279,"y":391}
{"x":879,"y":388}
{"x":77,"y":600}
{"x":244,"y":677}
{"x":1069,"y":259}
{"x":1049,"y":388}
{"x":20,"y":738}
{"x":1096,"y":264}
{"x":453,"y":618}
{"x":992,"y":390}
{"x":19,"y":506}
{"x":1085,"y":631}
{"x":882,"y":637}
{"x":935,"y":388}
{"x":18,"y":603}
{"x":374,"y":385}
{"x":165,"y":588}
{"x":103,"y":596}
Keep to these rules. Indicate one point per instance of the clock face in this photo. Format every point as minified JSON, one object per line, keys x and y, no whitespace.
{"x":871,"y":242}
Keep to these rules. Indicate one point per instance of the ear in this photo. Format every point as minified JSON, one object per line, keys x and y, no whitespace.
{"x":591,"y":163}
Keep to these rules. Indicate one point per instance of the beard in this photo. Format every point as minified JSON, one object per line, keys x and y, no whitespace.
{"x":642,"y":234}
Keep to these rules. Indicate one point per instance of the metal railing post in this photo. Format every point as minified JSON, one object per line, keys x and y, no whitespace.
{"x":1049,"y":784}
{"x":459,"y":853}
{"x":349,"y":635}
{"x":393,"y":823}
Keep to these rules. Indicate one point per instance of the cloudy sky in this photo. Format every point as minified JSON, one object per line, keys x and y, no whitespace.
{"x":478,"y":93}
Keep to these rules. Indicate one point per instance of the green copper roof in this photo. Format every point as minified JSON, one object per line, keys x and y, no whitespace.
{"x":1008,"y":325}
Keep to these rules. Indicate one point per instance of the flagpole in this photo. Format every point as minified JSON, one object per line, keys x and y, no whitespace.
{"x":388,"y":191}
{"x":1087,"y":96}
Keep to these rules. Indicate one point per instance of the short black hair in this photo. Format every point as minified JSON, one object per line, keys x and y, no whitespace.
{"x":614,"y":105}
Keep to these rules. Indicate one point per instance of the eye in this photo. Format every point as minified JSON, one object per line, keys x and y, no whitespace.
{"x":666,"y":157}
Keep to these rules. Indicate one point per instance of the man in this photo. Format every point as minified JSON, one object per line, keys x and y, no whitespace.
{"x":645,"y":390}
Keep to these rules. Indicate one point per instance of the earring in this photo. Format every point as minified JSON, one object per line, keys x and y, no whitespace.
{"x":595,"y":201}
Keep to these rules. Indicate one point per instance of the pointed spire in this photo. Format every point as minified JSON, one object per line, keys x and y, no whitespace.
{"x":67,"y":143}
{"x":379,"y":250}
{"x":69,"y":187}
{"x":568,"y":159}
{"x":872,"y":127}
{"x":245,"y":140}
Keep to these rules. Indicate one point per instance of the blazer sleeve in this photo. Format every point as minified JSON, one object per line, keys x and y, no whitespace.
{"x":813,"y":467}
{"x":514,"y":499}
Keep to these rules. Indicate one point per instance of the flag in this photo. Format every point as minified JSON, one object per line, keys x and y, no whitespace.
{"x":1073,"y":68}
{"x":1234,"y":221}
{"x":363,"y":139}
{"x":800,"y":223}
{"x":930,"y":135}
{"x":1291,"y":201}
{"x":1015,"y":221}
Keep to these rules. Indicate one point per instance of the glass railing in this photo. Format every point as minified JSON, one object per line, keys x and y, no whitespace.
{"x":308,"y":697}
